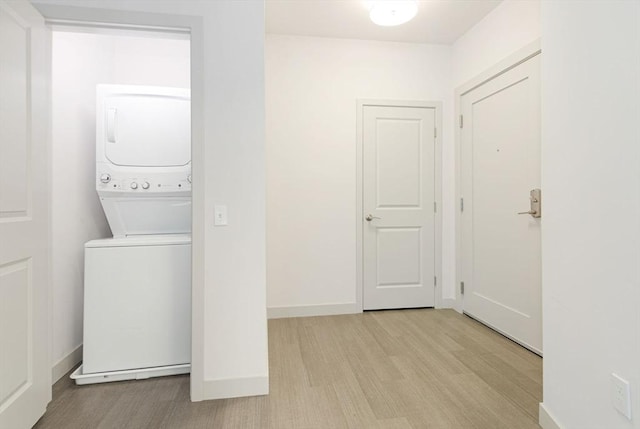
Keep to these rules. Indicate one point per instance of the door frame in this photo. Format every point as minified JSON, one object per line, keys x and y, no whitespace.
{"x":437,"y":106}
{"x":90,"y":17}
{"x":520,"y":56}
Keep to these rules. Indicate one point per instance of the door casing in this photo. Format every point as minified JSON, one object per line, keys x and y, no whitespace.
{"x":88,"y":17}
{"x":437,"y":106}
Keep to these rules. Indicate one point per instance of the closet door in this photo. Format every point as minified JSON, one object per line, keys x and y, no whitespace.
{"x":25,"y":367}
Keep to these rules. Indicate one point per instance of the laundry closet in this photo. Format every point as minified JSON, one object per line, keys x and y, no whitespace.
{"x":121,"y":203}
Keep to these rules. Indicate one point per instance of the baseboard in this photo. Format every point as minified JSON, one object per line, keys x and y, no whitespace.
{"x":235,"y":387}
{"x":312,"y":310}
{"x":546,"y":420}
{"x":66,"y":364}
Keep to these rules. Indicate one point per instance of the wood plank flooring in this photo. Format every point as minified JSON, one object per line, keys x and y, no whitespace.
{"x":378,"y":370}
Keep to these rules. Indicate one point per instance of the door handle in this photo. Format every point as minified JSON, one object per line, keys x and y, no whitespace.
{"x":371,"y":217}
{"x":111,"y":125}
{"x":535,"y":197}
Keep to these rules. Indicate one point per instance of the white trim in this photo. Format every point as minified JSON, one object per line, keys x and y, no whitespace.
{"x":546,"y":420}
{"x":197,"y":210}
{"x":503,"y":333}
{"x":235,"y":387}
{"x":111,"y":28}
{"x":515,"y":59}
{"x":49,"y":155}
{"x":194,"y":24}
{"x":437,"y":106}
{"x":501,"y":67}
{"x":66,"y":364}
{"x":437,"y":183}
{"x":399,"y":103}
{"x":128,"y":374}
{"x":313,"y":310}
{"x":359,"y":208}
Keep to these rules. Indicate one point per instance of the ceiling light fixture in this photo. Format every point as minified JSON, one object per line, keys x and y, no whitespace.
{"x":392,"y":12}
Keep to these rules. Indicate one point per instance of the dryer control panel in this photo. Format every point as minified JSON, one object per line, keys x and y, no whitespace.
{"x":110,"y":182}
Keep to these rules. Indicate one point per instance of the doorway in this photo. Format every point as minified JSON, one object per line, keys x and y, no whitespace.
{"x":82,"y":59}
{"x":501,"y":201}
{"x":398,"y":203}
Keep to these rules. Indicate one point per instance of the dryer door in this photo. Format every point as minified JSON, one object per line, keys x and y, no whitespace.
{"x":145,"y":130}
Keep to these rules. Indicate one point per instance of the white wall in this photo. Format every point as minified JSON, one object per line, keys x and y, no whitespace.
{"x":507,"y":28}
{"x":230,"y":327}
{"x":591,"y":236}
{"x":80,"y":61}
{"x":312,"y":85}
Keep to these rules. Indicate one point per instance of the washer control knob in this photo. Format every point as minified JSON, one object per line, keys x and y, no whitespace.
{"x":145,"y":185}
{"x":134,"y":185}
{"x":189,"y":178}
{"x":105,"y":178}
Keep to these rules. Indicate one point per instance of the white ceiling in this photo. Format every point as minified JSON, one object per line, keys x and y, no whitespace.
{"x":438,"y":21}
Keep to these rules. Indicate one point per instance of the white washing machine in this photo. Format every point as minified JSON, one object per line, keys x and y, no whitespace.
{"x":137,"y":304}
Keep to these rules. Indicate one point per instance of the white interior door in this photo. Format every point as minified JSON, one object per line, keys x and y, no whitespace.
{"x":500,"y":165}
{"x":398,"y":206}
{"x":25,"y":370}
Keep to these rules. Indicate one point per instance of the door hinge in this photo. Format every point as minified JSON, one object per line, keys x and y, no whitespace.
{"x":435,"y":133}
{"x":461,"y":288}
{"x":435,"y":281}
{"x":461,"y":121}
{"x":461,"y":204}
{"x":435,"y":207}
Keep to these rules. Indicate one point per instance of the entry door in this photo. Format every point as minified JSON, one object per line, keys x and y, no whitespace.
{"x":500,"y":165}
{"x":25,"y":369}
{"x":399,"y":220}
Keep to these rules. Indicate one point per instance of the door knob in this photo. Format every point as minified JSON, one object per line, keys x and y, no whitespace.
{"x":531,"y":212}
{"x":371,"y":217}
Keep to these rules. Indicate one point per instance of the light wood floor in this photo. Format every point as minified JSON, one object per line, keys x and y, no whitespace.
{"x":388,"y":369}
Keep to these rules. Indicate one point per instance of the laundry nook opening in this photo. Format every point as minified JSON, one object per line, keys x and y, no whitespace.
{"x":121,"y":201}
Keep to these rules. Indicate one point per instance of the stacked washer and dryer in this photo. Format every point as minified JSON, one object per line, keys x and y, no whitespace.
{"x":137,"y":291}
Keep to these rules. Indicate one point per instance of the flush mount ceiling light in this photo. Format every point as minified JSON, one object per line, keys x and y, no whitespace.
{"x":392,"y":12}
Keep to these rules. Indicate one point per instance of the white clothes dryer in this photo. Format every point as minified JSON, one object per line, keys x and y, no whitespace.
{"x":143,"y":159}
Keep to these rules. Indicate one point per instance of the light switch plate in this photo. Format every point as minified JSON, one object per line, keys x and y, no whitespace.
{"x":621,"y":395}
{"x":220,"y":215}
